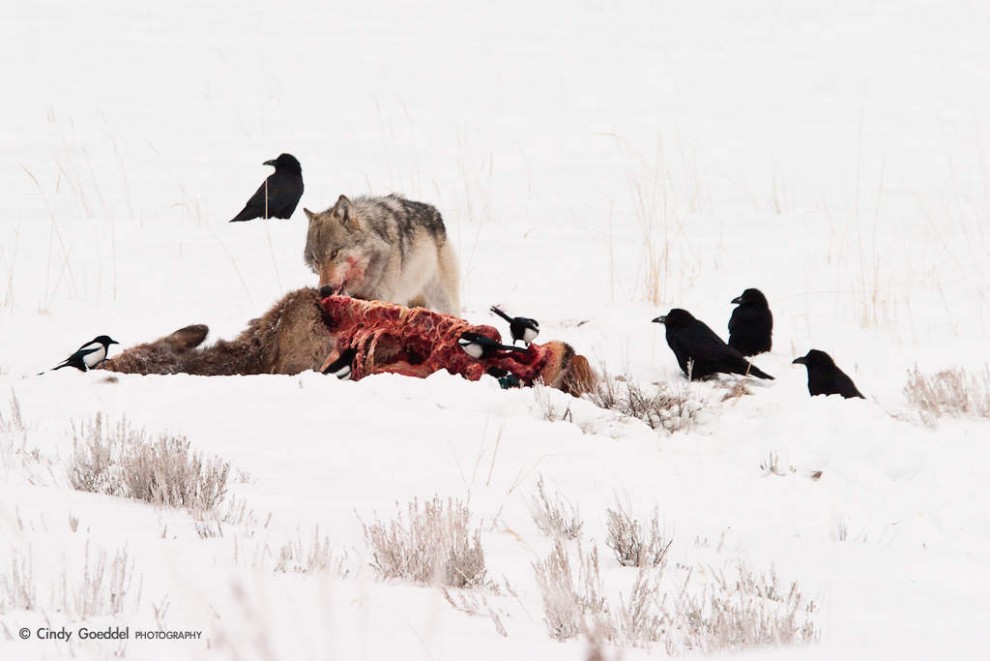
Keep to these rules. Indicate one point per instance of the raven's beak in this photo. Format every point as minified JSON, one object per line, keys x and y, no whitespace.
{"x":660,"y":320}
{"x":799,"y":361}
{"x":114,"y":342}
{"x":736,"y":301}
{"x":271,"y":163}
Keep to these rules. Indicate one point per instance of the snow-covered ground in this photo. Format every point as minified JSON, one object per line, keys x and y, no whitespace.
{"x":596,"y":165}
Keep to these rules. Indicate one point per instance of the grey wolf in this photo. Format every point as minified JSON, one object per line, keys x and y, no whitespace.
{"x":825,"y":377}
{"x":699,"y":351}
{"x":751,"y":324}
{"x":386,"y":249}
{"x":88,"y":355}
{"x":279,"y":194}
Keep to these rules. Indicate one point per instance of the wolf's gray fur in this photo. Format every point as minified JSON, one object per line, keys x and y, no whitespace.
{"x":384,"y":248}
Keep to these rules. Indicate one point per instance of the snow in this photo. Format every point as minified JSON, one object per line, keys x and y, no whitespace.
{"x":830,"y":154}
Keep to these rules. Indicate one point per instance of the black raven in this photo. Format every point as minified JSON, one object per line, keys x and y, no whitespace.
{"x":825,"y":377}
{"x":88,"y":355}
{"x":279,"y":194}
{"x":751,"y":324}
{"x":700,"y":352}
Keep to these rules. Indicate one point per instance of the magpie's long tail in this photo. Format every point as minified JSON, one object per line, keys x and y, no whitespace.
{"x":501,"y":314}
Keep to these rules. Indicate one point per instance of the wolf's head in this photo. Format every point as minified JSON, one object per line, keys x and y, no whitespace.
{"x":337,"y":248}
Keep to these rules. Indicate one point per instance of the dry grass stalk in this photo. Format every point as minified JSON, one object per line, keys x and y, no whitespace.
{"x":313,"y":557}
{"x":554,"y":516}
{"x":634,"y":547}
{"x":572,"y":607}
{"x":662,"y":409}
{"x":17,"y":588}
{"x":120,"y":461}
{"x":436,"y":545}
{"x":952,"y":392}
{"x":103,"y":589}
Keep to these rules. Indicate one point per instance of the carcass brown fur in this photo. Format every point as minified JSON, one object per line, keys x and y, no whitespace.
{"x":301,"y":332}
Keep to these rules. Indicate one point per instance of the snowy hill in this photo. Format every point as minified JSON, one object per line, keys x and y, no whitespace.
{"x":595,"y":166}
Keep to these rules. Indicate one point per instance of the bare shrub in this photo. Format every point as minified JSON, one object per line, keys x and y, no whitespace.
{"x":572,"y":604}
{"x":14,"y":450}
{"x":749,"y":611}
{"x":96,"y":449}
{"x":165,"y":472}
{"x":952,"y":392}
{"x":13,"y":421}
{"x":662,"y":409}
{"x":121,"y":461}
{"x":436,"y":545}
{"x":312,"y":557}
{"x":633,"y":546}
{"x":476,"y":604}
{"x":643,"y":618}
{"x":103,"y":588}
{"x":554,"y":516}
{"x":17,"y":587}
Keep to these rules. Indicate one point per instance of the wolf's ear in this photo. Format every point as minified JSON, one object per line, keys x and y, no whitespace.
{"x":344,"y":212}
{"x":309,"y":214}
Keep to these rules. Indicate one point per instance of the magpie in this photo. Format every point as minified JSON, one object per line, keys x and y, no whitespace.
{"x":521,"y":328}
{"x":825,"y":377}
{"x":279,"y":194}
{"x":341,"y":367}
{"x":480,"y":346}
{"x":699,"y":351}
{"x":751,"y":324}
{"x":88,"y":355}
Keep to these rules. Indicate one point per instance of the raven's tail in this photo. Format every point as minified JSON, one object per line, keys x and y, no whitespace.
{"x":753,"y":370}
{"x":245,"y":214}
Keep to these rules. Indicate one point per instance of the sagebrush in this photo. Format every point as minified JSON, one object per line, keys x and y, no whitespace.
{"x":118,"y":460}
{"x":950,"y":392}
{"x":553,"y":515}
{"x":735,"y":608}
{"x":662,"y":408}
{"x":633,"y":545}
{"x":433,"y":543}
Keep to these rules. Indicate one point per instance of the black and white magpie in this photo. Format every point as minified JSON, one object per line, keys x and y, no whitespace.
{"x":341,"y":368}
{"x":88,"y":355}
{"x":521,"y":328}
{"x":480,"y":346}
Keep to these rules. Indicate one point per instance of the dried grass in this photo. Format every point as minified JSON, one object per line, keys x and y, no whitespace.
{"x":17,"y":587}
{"x":315,"y":556}
{"x":953,"y":392}
{"x":664,"y":408}
{"x":104,"y":588}
{"x":632,"y":545}
{"x":554,"y":516}
{"x":433,"y":543}
{"x":738,"y":608}
{"x":573,"y":602}
{"x":118,"y":460}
